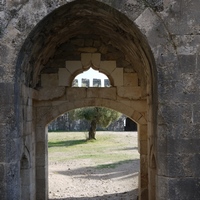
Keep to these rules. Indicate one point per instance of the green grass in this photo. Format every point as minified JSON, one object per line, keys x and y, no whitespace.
{"x":109,"y":150}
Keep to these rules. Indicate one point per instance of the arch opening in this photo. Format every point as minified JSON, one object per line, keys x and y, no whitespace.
{"x":91,"y":78}
{"x":41,"y":64}
{"x":115,"y":159}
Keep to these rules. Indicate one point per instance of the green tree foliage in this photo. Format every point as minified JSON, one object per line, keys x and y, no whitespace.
{"x":96,"y":116}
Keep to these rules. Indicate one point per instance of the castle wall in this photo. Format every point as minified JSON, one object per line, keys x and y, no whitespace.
{"x":157,"y":40}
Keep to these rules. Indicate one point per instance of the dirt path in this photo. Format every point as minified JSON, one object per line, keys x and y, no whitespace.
{"x":80,"y":179}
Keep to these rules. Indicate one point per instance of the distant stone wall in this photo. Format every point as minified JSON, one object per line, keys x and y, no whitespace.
{"x":95,"y":82}
{"x":64,"y":123}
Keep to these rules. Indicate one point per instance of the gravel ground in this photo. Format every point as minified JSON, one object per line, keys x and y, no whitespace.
{"x":81,"y":180}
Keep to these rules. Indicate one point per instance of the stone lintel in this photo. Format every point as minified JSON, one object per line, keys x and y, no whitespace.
{"x":92,"y":92}
{"x":74,"y":94}
{"x":50,"y":93}
{"x":129,"y":92}
{"x":108,"y":93}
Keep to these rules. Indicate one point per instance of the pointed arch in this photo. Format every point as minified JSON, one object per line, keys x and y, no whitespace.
{"x":63,"y":36}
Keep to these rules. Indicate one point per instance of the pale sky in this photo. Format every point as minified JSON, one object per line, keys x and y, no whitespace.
{"x":90,"y":74}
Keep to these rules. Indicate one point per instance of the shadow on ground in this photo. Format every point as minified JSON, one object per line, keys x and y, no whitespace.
{"x":66,"y":143}
{"x":131,"y":195}
{"x":129,"y":148}
{"x":106,"y":171}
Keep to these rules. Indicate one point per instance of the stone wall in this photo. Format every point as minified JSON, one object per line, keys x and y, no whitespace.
{"x":156,"y":41}
{"x":65,"y":123}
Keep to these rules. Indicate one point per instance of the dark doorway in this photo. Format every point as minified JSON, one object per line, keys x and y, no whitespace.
{"x":130,"y":125}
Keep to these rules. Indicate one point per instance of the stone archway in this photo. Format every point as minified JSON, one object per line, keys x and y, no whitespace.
{"x":74,"y":33}
{"x":46,"y":112}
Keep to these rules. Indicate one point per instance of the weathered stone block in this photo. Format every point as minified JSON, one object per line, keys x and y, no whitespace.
{"x":178,"y":165}
{"x":40,"y":160}
{"x":25,"y":192}
{"x":136,"y":116}
{"x":187,"y":63}
{"x":130,"y":79}
{"x":39,"y":172}
{"x":4,"y":130}
{"x":167,"y":92}
{"x":103,"y":49}
{"x":140,"y":106}
{"x":74,"y":94}
{"x":86,"y":59}
{"x":7,"y":113}
{"x":142,"y":132}
{"x":108,"y":93}
{"x":92,"y":92}
{"x":194,"y":113}
{"x":73,"y":66}
{"x":147,"y":20}
{"x":129,"y":92}
{"x":49,"y":80}
{"x":88,"y":42}
{"x":143,"y":147}
{"x":15,"y":3}
{"x":169,"y":112}
{"x":78,"y":42}
{"x":25,"y":175}
{"x":41,"y":189}
{"x":3,"y":156}
{"x":118,"y":77}
{"x":47,"y":94}
{"x":13,"y":150}
{"x":87,"y":49}
{"x":180,"y":27}
{"x":2,"y":172}
{"x":40,"y":148}
{"x":96,"y":60}
{"x":179,"y":187}
{"x":142,"y":120}
{"x":107,"y":66}
{"x":169,"y":144}
{"x":3,"y":194}
{"x":64,"y":77}
{"x":29,"y":113}
{"x":13,"y":180}
{"x":7,"y":90}
{"x":40,"y":134}
{"x":164,"y":187}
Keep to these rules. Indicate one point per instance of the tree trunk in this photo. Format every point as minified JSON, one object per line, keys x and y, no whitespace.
{"x":92,"y":131}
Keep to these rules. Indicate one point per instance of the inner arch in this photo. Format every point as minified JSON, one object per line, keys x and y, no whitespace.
{"x":58,"y":34}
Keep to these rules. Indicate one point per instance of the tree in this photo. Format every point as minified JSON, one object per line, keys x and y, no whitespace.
{"x":96,"y":116}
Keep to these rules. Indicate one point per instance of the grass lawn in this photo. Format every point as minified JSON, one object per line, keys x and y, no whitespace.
{"x":109,"y":150}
